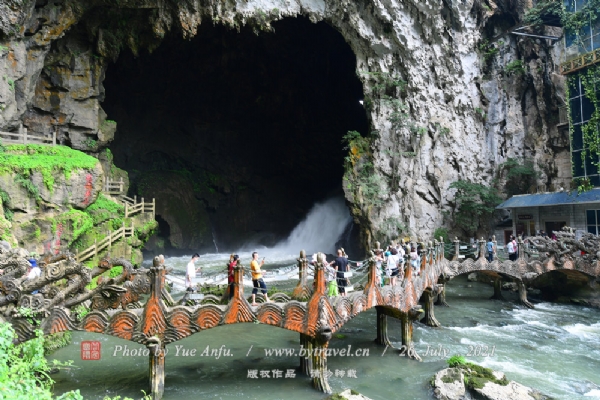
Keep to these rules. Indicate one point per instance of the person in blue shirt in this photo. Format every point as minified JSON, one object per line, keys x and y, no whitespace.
{"x":491,"y":250}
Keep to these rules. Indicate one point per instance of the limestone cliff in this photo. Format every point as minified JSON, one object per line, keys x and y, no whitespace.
{"x":459,"y":114}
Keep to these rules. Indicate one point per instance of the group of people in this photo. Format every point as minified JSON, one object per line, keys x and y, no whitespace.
{"x":335,"y":273}
{"x":511,"y":248}
{"x":391,"y":263}
{"x":257,"y":275}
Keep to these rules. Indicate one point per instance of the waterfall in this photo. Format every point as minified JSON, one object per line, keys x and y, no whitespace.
{"x":320,"y":230}
{"x":214,"y":237}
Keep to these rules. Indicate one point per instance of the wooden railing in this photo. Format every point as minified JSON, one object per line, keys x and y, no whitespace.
{"x":97,"y":247}
{"x":23,"y":137}
{"x":113,"y":187}
{"x":132,"y":207}
{"x":580,"y":62}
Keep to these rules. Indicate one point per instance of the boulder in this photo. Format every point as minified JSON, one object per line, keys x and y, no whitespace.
{"x":348,"y":394}
{"x":449,"y":384}
{"x":512,"y":391}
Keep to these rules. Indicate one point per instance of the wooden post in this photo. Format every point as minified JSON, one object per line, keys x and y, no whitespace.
{"x":126,"y":211}
{"x":157,"y":370}
{"x":21,"y":133}
{"x":305,"y":358}
{"x":109,"y":240}
{"x":456,"y":249}
{"x":482,"y":250}
{"x":497,"y":290}
{"x":523,"y":294}
{"x":382,"y":323}
{"x":121,"y":185}
{"x":54,"y":136}
{"x":302,"y":291}
{"x":153,"y":208}
{"x":95,"y":248}
{"x":407,"y":331}
{"x":429,"y":318}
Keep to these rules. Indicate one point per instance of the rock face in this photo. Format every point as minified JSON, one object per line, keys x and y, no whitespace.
{"x":460,"y":114}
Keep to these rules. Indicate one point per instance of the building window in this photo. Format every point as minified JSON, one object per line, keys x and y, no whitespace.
{"x":593,"y":221}
{"x":581,"y":112}
{"x":589,"y":39}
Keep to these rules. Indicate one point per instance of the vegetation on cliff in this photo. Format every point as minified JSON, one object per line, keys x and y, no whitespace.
{"x":47,"y":160}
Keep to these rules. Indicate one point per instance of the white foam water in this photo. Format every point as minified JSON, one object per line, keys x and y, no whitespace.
{"x":320,"y":230}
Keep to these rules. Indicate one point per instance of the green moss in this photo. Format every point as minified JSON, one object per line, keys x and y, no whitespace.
{"x":477,"y":376}
{"x":44,"y":159}
{"x":78,"y":223}
{"x":55,"y":341}
{"x":5,"y":198}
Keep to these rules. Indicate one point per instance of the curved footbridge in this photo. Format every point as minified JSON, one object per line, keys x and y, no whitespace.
{"x":309,"y":312}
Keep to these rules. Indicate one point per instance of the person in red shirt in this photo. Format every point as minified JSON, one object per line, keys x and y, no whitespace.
{"x":230,"y":268}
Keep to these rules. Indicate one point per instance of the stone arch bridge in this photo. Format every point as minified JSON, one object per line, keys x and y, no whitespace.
{"x":309,"y":311}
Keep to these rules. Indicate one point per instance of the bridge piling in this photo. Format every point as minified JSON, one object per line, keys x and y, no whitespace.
{"x":157,"y":368}
{"x":407,"y":320}
{"x":523,"y":294}
{"x":382,"y":323}
{"x":305,"y":360}
{"x":497,"y":290}
{"x":441,"y":296}
{"x":429,"y":317}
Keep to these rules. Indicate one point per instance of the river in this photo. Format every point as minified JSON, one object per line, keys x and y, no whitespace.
{"x":554,"y":348}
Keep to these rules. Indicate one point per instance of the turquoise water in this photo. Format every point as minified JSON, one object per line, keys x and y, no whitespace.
{"x":554,"y":348}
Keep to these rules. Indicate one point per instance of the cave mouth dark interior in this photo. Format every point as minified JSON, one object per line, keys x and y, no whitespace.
{"x":236,"y":135}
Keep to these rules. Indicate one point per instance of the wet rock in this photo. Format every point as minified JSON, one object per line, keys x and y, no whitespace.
{"x":510,"y":286}
{"x":512,"y":391}
{"x":472,"y":277}
{"x":449,"y":384}
{"x":348,"y":394}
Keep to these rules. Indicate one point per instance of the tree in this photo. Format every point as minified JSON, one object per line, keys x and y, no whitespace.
{"x":475,"y":205}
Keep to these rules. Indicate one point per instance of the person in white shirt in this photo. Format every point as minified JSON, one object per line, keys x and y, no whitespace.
{"x":35,"y":271}
{"x":393,"y":262}
{"x":190,"y":272}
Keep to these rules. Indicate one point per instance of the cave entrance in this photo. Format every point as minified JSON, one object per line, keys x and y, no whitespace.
{"x":236,"y":135}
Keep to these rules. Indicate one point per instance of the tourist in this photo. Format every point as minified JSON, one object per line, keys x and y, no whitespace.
{"x":190,"y":272}
{"x":414,"y":260}
{"x":379,"y":259}
{"x":230,"y":272}
{"x":34,"y":271}
{"x":491,"y":249}
{"x":510,"y":248}
{"x":342,"y":266}
{"x":330,"y":278}
{"x":514,"y":242}
{"x":392,"y":266}
{"x":257,"y":278}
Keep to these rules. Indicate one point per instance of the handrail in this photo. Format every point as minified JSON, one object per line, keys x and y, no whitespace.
{"x":113,"y":236}
{"x":141,"y":207}
{"x":113,"y":187}
{"x":23,"y":137}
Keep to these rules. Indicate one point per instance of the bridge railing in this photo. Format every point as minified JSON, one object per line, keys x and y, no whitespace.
{"x":23,"y":137}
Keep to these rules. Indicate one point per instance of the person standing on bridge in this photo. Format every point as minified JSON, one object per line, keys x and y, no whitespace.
{"x":491,"y":250}
{"x":190,"y":272}
{"x":257,"y":278}
{"x":342,"y":265}
{"x":230,"y":273}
